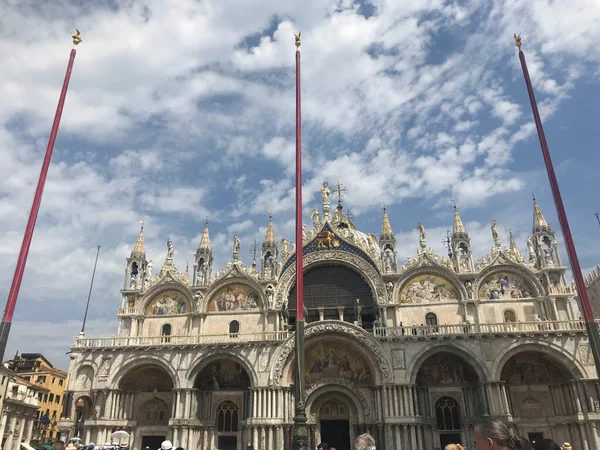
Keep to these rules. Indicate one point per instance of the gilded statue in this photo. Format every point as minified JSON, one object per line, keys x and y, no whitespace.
{"x":326,"y":239}
{"x":314,"y":215}
{"x":325,"y":192}
{"x":495,"y":233}
{"x":284,"y":245}
{"x":170,"y":249}
{"x":236,"y":245}
{"x":298,"y":43}
{"x":77,"y":38}
{"x":422,"y":236}
{"x":517,"y":38}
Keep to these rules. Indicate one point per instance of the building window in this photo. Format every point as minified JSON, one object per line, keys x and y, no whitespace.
{"x":60,"y":382}
{"x":509,"y":316}
{"x":166,"y":331}
{"x":227,"y":418}
{"x":51,"y":398}
{"x":431,"y":321}
{"x":234,"y":328}
{"x":27,"y":378}
{"x":57,"y":400}
{"x":41,"y":379}
{"x":40,"y":396}
{"x":45,"y":398}
{"x":53,"y":380}
{"x":447,"y":414}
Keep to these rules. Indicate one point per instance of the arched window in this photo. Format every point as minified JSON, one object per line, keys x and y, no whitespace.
{"x":227,"y":418}
{"x":509,"y":316}
{"x":234,"y":328}
{"x":165,"y":332}
{"x":447,"y":414}
{"x":431,"y":320}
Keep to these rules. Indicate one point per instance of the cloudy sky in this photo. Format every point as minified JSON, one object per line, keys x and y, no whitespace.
{"x":183,"y":110}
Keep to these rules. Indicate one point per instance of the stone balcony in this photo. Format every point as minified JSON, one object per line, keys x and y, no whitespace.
{"x":181,"y":341}
{"x":466,"y":330}
{"x":130,"y":310}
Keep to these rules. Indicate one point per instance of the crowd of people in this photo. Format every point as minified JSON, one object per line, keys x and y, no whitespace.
{"x":493,"y":435}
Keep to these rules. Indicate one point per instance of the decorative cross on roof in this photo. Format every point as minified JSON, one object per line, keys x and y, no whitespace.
{"x":341,"y":189}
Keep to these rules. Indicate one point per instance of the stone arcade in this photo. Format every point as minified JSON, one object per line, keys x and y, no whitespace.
{"x":415,"y":354}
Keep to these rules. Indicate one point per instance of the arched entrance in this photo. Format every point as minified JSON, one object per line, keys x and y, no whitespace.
{"x":83,"y":411}
{"x":222,"y":390}
{"x":332,"y":291}
{"x":334,"y":416}
{"x":147,"y":396}
{"x":448,"y":388}
{"x":539,"y":388}
{"x":334,"y":423}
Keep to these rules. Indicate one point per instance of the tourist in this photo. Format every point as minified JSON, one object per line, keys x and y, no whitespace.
{"x":58,"y":445}
{"x":523,"y":444}
{"x":322,"y":446}
{"x":453,"y":447}
{"x":166,"y":445}
{"x":547,"y":444}
{"x":495,"y":435}
{"x":364,"y":442}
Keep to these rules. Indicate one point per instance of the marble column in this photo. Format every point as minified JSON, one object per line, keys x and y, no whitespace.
{"x":554,"y":309}
{"x":3,"y":424}
{"x":30,"y":421}
{"x":575,"y":394}
{"x":19,"y":439}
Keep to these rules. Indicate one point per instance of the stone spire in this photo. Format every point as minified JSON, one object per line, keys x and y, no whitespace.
{"x":205,"y":241}
{"x":458,"y":230}
{"x":513,"y":246}
{"x":270,"y":236}
{"x":539,"y":221}
{"x":386,"y":227}
{"x":138,"y":249}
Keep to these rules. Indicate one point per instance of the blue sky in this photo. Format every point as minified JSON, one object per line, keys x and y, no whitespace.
{"x":182,"y":110}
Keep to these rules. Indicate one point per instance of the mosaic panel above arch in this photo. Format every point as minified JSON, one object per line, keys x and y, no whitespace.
{"x":234,"y":297}
{"x":334,"y":359}
{"x":533,"y":367}
{"x":504,"y":285}
{"x":445,"y":368}
{"x":223,"y":374}
{"x":428,"y":288}
{"x":167,"y":303}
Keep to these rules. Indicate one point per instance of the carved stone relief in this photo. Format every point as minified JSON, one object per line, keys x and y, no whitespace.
{"x":340,"y":382}
{"x":263,"y":360}
{"x":585,"y":354}
{"x":398,"y":360}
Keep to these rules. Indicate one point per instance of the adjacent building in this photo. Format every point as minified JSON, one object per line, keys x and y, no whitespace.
{"x":592,"y":282}
{"x":415,"y":353}
{"x":35,"y":368}
{"x":21,"y":402}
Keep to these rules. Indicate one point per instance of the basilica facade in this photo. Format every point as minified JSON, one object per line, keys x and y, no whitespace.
{"x":414,"y":353}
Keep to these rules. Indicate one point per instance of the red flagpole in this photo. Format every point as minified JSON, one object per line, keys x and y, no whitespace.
{"x":588,"y":315}
{"x":37,"y":199}
{"x":300,"y":430}
{"x":299,"y":274}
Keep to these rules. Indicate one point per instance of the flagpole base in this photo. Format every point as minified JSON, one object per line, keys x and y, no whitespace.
{"x":300,"y":434}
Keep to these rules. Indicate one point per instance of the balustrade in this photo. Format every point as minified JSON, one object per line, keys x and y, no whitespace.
{"x":543,"y":327}
{"x":151,"y":341}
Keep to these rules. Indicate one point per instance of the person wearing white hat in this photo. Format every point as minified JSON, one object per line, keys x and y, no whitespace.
{"x":166,"y":445}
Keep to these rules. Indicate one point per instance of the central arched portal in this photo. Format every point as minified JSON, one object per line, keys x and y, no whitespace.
{"x":332,"y":291}
{"x":223,"y":397}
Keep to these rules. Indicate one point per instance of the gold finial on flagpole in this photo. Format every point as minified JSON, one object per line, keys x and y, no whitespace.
{"x":76,"y":38}
{"x":298,"y":43}
{"x":518,"y":40}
